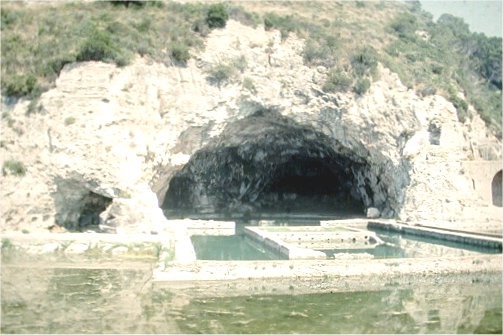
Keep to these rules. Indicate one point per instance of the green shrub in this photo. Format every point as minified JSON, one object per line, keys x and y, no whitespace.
{"x":99,"y":46}
{"x":144,"y":25}
{"x":364,"y":61}
{"x":179,"y":52}
{"x":320,"y":51}
{"x":217,"y":16}
{"x":9,"y":17}
{"x":69,"y":121}
{"x":249,"y":85}
{"x":21,"y":85}
{"x":200,"y":26}
{"x":54,"y":66}
{"x":221,"y":74}
{"x":127,"y":3}
{"x":239,"y":14}
{"x":460,"y":104}
{"x":362,"y":85}
{"x":429,"y":90}
{"x":240,"y":63}
{"x":6,"y":244}
{"x":285,"y":24}
{"x":13,"y":167}
{"x":337,"y":81}
{"x":437,"y":68}
{"x":404,"y":25}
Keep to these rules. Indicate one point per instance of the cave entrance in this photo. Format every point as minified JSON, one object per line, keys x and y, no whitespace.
{"x":496,"y":188}
{"x":267,"y":163}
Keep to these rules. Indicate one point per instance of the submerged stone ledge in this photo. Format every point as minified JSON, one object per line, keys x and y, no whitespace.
{"x":235,"y":278}
{"x":305,"y":242}
{"x":476,"y":239}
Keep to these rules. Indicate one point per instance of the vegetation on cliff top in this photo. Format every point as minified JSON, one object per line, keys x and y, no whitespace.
{"x":349,"y":38}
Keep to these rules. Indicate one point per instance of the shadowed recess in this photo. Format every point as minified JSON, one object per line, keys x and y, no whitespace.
{"x":267,"y":162}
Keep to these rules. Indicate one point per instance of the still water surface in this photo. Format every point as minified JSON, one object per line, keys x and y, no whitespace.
{"x":38,"y":299}
{"x":240,"y":247}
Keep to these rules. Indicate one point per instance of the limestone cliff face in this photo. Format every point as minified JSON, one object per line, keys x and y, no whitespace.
{"x":110,"y":145}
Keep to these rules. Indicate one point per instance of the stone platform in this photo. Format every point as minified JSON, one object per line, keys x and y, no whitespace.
{"x":307,"y":242}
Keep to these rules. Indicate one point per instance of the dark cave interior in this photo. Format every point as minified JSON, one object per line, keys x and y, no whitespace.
{"x":268,"y":164}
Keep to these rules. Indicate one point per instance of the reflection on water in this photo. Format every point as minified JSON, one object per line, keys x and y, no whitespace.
{"x":422,"y":310}
{"x":69,"y":300}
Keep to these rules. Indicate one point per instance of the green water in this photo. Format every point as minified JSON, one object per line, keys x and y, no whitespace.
{"x":240,"y":247}
{"x":422,"y":310}
{"x":68,"y":300}
{"x":235,"y":247}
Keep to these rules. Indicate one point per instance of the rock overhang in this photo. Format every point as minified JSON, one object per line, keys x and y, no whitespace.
{"x":267,"y":161}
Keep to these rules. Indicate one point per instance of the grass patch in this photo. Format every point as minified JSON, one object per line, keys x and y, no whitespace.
{"x":337,"y":81}
{"x":6,"y":244}
{"x":226,"y":72}
{"x":13,"y":167}
{"x":362,"y":85}
{"x":69,"y":121}
{"x":284,"y":23}
{"x":221,"y":74}
{"x":249,"y":85}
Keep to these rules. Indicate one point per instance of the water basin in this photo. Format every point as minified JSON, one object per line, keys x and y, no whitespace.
{"x":301,"y":239}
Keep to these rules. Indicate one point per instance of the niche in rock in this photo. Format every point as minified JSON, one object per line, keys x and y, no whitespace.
{"x":92,"y":206}
{"x":267,"y":162}
{"x":77,"y":207}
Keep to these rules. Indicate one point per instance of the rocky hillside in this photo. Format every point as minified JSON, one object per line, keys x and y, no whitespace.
{"x":247,"y":121}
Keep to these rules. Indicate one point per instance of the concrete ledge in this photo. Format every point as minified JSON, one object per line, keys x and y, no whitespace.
{"x":205,"y":227}
{"x":439,"y":234}
{"x":207,"y":278}
{"x":306,"y":242}
{"x":275,"y":243}
{"x":87,"y":246}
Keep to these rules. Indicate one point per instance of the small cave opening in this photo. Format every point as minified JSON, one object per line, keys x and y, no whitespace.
{"x":77,"y":207}
{"x":93,"y":205}
{"x":267,"y":163}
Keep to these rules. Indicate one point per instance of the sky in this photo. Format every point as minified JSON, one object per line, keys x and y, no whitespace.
{"x":483,"y":16}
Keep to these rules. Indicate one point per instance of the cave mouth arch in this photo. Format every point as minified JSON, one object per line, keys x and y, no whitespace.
{"x":496,"y":189}
{"x":268,"y":163}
